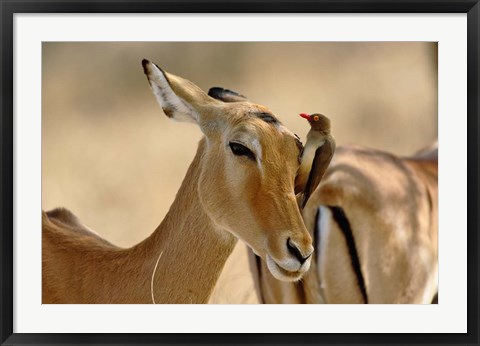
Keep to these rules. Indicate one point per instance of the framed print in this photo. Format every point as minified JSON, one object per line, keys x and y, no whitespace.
{"x":276,"y":160}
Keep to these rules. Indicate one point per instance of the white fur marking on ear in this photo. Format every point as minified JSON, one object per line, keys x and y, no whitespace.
{"x":173,"y":105}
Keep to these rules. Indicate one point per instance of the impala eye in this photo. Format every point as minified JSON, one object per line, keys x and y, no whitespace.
{"x":241,"y":150}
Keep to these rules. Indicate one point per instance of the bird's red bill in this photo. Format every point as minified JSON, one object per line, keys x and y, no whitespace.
{"x":306,"y":116}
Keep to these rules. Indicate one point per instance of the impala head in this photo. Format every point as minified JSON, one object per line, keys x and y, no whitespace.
{"x":247,"y":173}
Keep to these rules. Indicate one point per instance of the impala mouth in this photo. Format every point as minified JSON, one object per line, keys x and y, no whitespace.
{"x":284,"y":274}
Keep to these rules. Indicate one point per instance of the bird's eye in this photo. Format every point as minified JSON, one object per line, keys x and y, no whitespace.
{"x":315,"y":118}
{"x":241,"y":150}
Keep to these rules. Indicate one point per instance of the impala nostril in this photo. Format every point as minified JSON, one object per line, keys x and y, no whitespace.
{"x":293,"y":249}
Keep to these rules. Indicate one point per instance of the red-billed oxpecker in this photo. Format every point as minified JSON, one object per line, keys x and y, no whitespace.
{"x":316,"y":157}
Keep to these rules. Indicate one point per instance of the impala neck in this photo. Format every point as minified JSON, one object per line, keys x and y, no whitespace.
{"x":193,"y":249}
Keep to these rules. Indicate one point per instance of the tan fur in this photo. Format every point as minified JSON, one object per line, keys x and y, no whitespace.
{"x":392,"y":206}
{"x":223,"y":197}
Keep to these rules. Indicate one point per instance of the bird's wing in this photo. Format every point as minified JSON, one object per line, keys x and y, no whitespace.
{"x":323,"y":156}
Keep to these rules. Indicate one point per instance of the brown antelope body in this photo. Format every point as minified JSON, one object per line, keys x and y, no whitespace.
{"x":240,"y":185}
{"x":374,"y":221}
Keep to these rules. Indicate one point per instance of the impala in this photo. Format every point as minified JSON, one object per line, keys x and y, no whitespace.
{"x":374,"y":221}
{"x":240,"y":185}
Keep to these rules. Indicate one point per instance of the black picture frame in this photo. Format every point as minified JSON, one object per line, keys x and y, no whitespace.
{"x":10,"y":7}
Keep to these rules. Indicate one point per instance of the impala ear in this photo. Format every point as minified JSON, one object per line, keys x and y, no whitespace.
{"x":226,"y":95}
{"x":321,"y":161}
{"x":179,"y":98}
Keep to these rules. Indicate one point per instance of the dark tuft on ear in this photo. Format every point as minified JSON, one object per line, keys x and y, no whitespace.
{"x":144,"y":64}
{"x":225,"y":95}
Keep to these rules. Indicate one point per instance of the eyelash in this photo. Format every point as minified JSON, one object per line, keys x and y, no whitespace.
{"x":241,"y":150}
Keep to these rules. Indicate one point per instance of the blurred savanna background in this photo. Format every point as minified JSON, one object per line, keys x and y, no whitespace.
{"x":111,"y":156}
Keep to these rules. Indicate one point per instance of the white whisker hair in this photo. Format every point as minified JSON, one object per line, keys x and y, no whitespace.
{"x":153,"y":277}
